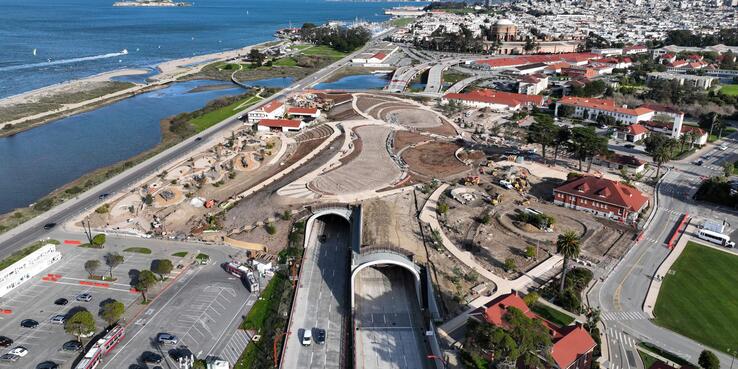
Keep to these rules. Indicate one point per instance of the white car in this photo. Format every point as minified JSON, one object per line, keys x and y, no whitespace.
{"x":58,"y":319}
{"x":723,"y":147}
{"x":19,"y":351}
{"x":307,"y":337}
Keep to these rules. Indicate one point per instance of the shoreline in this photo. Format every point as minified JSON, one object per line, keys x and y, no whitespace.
{"x":169,"y":71}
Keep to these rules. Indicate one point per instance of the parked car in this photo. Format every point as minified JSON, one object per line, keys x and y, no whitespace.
{"x":103,"y":196}
{"x":19,"y":351}
{"x":86,"y":297}
{"x":61,"y":302}
{"x":48,"y":226}
{"x":29,"y":323}
{"x":149,"y":357}
{"x":723,"y":147}
{"x":9,"y":358}
{"x":72,"y":346}
{"x":5,"y":341}
{"x":629,"y":146}
{"x":58,"y":319}
{"x":699,"y":162}
{"x":167,"y":338}
{"x":47,"y":365}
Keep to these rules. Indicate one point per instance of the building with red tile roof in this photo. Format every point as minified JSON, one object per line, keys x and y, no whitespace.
{"x":284,"y":125}
{"x":572,"y":346}
{"x":494,"y":99}
{"x":514,"y":61}
{"x":273,"y":110}
{"x":303,"y":112}
{"x":698,"y":136}
{"x":631,"y":133}
{"x":590,"y":108}
{"x":602,"y":197}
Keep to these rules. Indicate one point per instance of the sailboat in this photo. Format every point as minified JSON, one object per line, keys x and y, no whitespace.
{"x":34,"y":52}
{"x":124,"y":52}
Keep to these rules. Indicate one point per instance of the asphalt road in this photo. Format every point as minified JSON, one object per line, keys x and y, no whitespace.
{"x":622,"y":294}
{"x":322,"y":300}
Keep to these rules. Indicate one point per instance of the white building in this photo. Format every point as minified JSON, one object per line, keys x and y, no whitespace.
{"x":297,"y":112}
{"x":284,"y":125}
{"x":272,"y":110}
{"x":703,"y":82}
{"x":24,"y":269}
{"x":590,"y":108}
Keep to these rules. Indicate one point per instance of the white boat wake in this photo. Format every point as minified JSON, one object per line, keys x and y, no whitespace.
{"x":63,"y":61}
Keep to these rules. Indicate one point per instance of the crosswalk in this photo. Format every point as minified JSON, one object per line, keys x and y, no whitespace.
{"x":624,"y":315}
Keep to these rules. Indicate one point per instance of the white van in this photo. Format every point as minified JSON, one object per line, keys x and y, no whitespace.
{"x":715,"y":237}
{"x":307,"y":337}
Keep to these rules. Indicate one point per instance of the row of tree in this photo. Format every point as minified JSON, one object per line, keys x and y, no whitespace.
{"x":726,"y":36}
{"x":142,"y":281}
{"x":583,"y":143}
{"x":81,"y":323}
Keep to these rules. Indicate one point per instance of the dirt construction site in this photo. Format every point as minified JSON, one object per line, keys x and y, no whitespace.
{"x":484,"y":218}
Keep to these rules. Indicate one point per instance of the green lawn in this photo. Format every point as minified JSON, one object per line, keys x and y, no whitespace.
{"x":139,"y":250}
{"x":697,"y":298}
{"x":647,"y":359}
{"x":266,"y":304}
{"x":285,"y":62}
{"x":180,"y":254}
{"x":730,"y":90}
{"x":207,"y":120}
{"x":322,"y":50}
{"x":552,"y":315}
{"x":401,"y":22}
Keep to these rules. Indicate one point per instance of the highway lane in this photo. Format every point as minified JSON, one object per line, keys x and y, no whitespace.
{"x":33,"y":229}
{"x":622,"y":294}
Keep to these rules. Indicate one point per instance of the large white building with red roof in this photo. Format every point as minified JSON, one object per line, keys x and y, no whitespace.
{"x":273,"y":110}
{"x":572,"y":347}
{"x":283,"y":125}
{"x":602,"y":197}
{"x":493,"y":99}
{"x":590,"y":108}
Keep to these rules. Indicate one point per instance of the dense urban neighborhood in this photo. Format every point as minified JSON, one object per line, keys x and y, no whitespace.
{"x":466,"y":185}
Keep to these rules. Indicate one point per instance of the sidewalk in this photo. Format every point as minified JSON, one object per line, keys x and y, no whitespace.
{"x":653,"y":289}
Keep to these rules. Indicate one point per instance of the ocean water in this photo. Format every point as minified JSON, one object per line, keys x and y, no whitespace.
{"x":79,"y":38}
{"x":35,"y":162}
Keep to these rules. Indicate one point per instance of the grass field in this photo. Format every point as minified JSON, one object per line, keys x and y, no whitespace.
{"x":323,"y":50}
{"x":695,"y":297}
{"x":285,"y":62}
{"x":730,"y":90}
{"x":180,"y":254}
{"x":401,"y":22}
{"x":552,"y":315}
{"x":138,"y":250}
{"x":205,"y":121}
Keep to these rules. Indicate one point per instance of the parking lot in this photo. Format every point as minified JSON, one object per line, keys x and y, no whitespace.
{"x":35,"y":300}
{"x":202,"y":308}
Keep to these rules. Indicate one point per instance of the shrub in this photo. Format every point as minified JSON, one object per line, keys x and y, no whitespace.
{"x":103,"y":209}
{"x":271,"y":228}
{"x":510,"y":265}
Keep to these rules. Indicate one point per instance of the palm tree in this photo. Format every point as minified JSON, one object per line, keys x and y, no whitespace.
{"x":568,"y":246}
{"x":660,"y":156}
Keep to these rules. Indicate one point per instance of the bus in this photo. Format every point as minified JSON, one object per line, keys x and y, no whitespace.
{"x":102,"y":347}
{"x":715,"y":237}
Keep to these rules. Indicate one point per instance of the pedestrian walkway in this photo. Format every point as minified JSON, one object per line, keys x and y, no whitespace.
{"x":235,"y":346}
{"x":624,"y":315}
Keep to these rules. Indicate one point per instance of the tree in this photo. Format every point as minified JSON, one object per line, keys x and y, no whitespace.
{"x":531,"y":252}
{"x":111,"y":311}
{"x":99,"y":240}
{"x":91,"y":266}
{"x":563,"y":135}
{"x":543,"y":132}
{"x":530,"y":44}
{"x":145,"y":280}
{"x":585,"y":144}
{"x":510,"y":264}
{"x":708,"y":360}
{"x":567,"y":245}
{"x":112,"y":260}
{"x":531,"y":298}
{"x":566,"y":111}
{"x":442,"y":208}
{"x":660,"y":147}
{"x":256,"y":57}
{"x":82,"y":323}
{"x":161,"y":267}
{"x":728,"y":169}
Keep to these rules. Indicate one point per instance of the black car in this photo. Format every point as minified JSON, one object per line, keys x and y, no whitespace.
{"x":29,"y":323}
{"x":5,"y":341}
{"x":629,"y":146}
{"x":61,"y":302}
{"x":47,"y":365}
{"x":72,"y":346}
{"x":149,"y":357}
{"x":103,"y":196}
{"x":319,"y":336}
{"x":48,"y":226}
{"x":198,"y":139}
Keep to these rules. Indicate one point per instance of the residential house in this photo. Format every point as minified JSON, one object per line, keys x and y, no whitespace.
{"x":572,"y":347}
{"x":297,"y":112}
{"x":618,"y":162}
{"x":698,"y":136}
{"x":533,"y":84}
{"x":602,"y":197}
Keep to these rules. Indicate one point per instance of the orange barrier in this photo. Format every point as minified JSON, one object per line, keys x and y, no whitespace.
{"x":133,"y":290}
{"x":6,"y":311}
{"x":87,"y":283}
{"x":104,"y":285}
{"x":72,"y":242}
